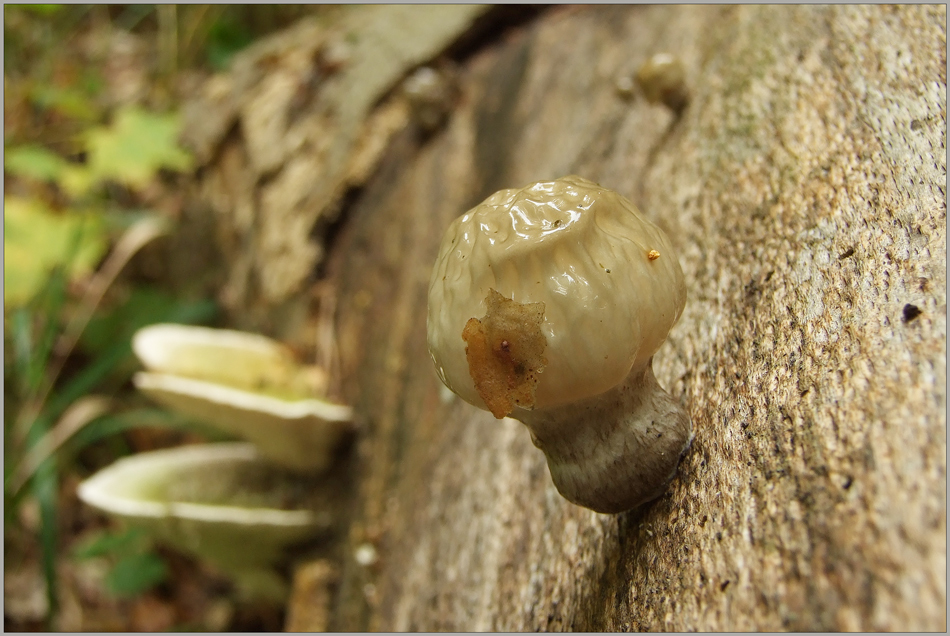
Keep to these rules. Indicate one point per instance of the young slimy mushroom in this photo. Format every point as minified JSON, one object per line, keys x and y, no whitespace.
{"x":547,"y":304}
{"x":430,"y":92}
{"x":663,"y":80}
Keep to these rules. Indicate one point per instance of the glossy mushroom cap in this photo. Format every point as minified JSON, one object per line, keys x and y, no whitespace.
{"x":609,"y":281}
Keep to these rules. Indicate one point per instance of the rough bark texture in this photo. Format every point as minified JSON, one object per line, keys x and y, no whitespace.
{"x":291,"y":128}
{"x":804,"y":187}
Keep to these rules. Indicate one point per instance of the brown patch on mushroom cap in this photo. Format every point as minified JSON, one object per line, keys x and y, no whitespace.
{"x":505,"y":353}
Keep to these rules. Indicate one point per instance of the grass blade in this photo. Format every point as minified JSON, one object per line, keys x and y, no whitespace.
{"x":80,"y":413}
{"x":45,"y":489}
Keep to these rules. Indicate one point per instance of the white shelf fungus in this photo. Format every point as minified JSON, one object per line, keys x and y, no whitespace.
{"x":547,"y":304}
{"x":222,"y":502}
{"x":247,"y":385}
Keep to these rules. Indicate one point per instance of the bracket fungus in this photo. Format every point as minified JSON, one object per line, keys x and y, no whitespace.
{"x":245,"y":384}
{"x":221,"y":502}
{"x":547,"y":304}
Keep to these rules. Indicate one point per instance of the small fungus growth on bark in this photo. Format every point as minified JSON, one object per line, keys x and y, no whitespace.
{"x":547,"y":303}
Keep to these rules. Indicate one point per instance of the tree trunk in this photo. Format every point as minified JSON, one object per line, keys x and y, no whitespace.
{"x":803,"y":187}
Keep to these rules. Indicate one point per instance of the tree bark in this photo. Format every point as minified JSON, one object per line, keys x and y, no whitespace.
{"x":804,"y":189}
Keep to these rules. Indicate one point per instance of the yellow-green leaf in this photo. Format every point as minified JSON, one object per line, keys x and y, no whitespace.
{"x":72,"y":102}
{"x":35,"y":162}
{"x":35,"y":240}
{"x":76,"y":179}
{"x":42,"y":9}
{"x":135,"y":147}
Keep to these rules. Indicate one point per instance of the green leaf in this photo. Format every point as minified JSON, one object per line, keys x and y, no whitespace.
{"x":145,"y":306}
{"x":36,"y":240}
{"x":135,"y":147}
{"x":34,"y":162}
{"x":76,"y":180}
{"x":71,"y":102}
{"x":112,"y":350}
{"x":42,"y":9}
{"x":107,"y":425}
{"x":21,"y":336}
{"x":136,"y":573}
{"x":85,"y":380}
{"x":226,"y":37}
{"x":126,"y":543}
{"x":112,"y":329}
{"x":45,"y":487}
{"x":46,"y":314}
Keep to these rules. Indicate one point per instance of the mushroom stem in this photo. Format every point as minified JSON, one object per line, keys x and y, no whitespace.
{"x":614,"y":451}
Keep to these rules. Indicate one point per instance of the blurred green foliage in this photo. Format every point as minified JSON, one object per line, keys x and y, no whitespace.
{"x":36,"y":241}
{"x":34,"y":162}
{"x":81,"y":172}
{"x":134,"y":148}
{"x":134,"y":566}
{"x":226,"y":36}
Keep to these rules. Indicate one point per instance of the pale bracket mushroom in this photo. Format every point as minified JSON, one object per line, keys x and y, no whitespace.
{"x":547,"y":303}
{"x":247,"y":385}
{"x":222,"y":502}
